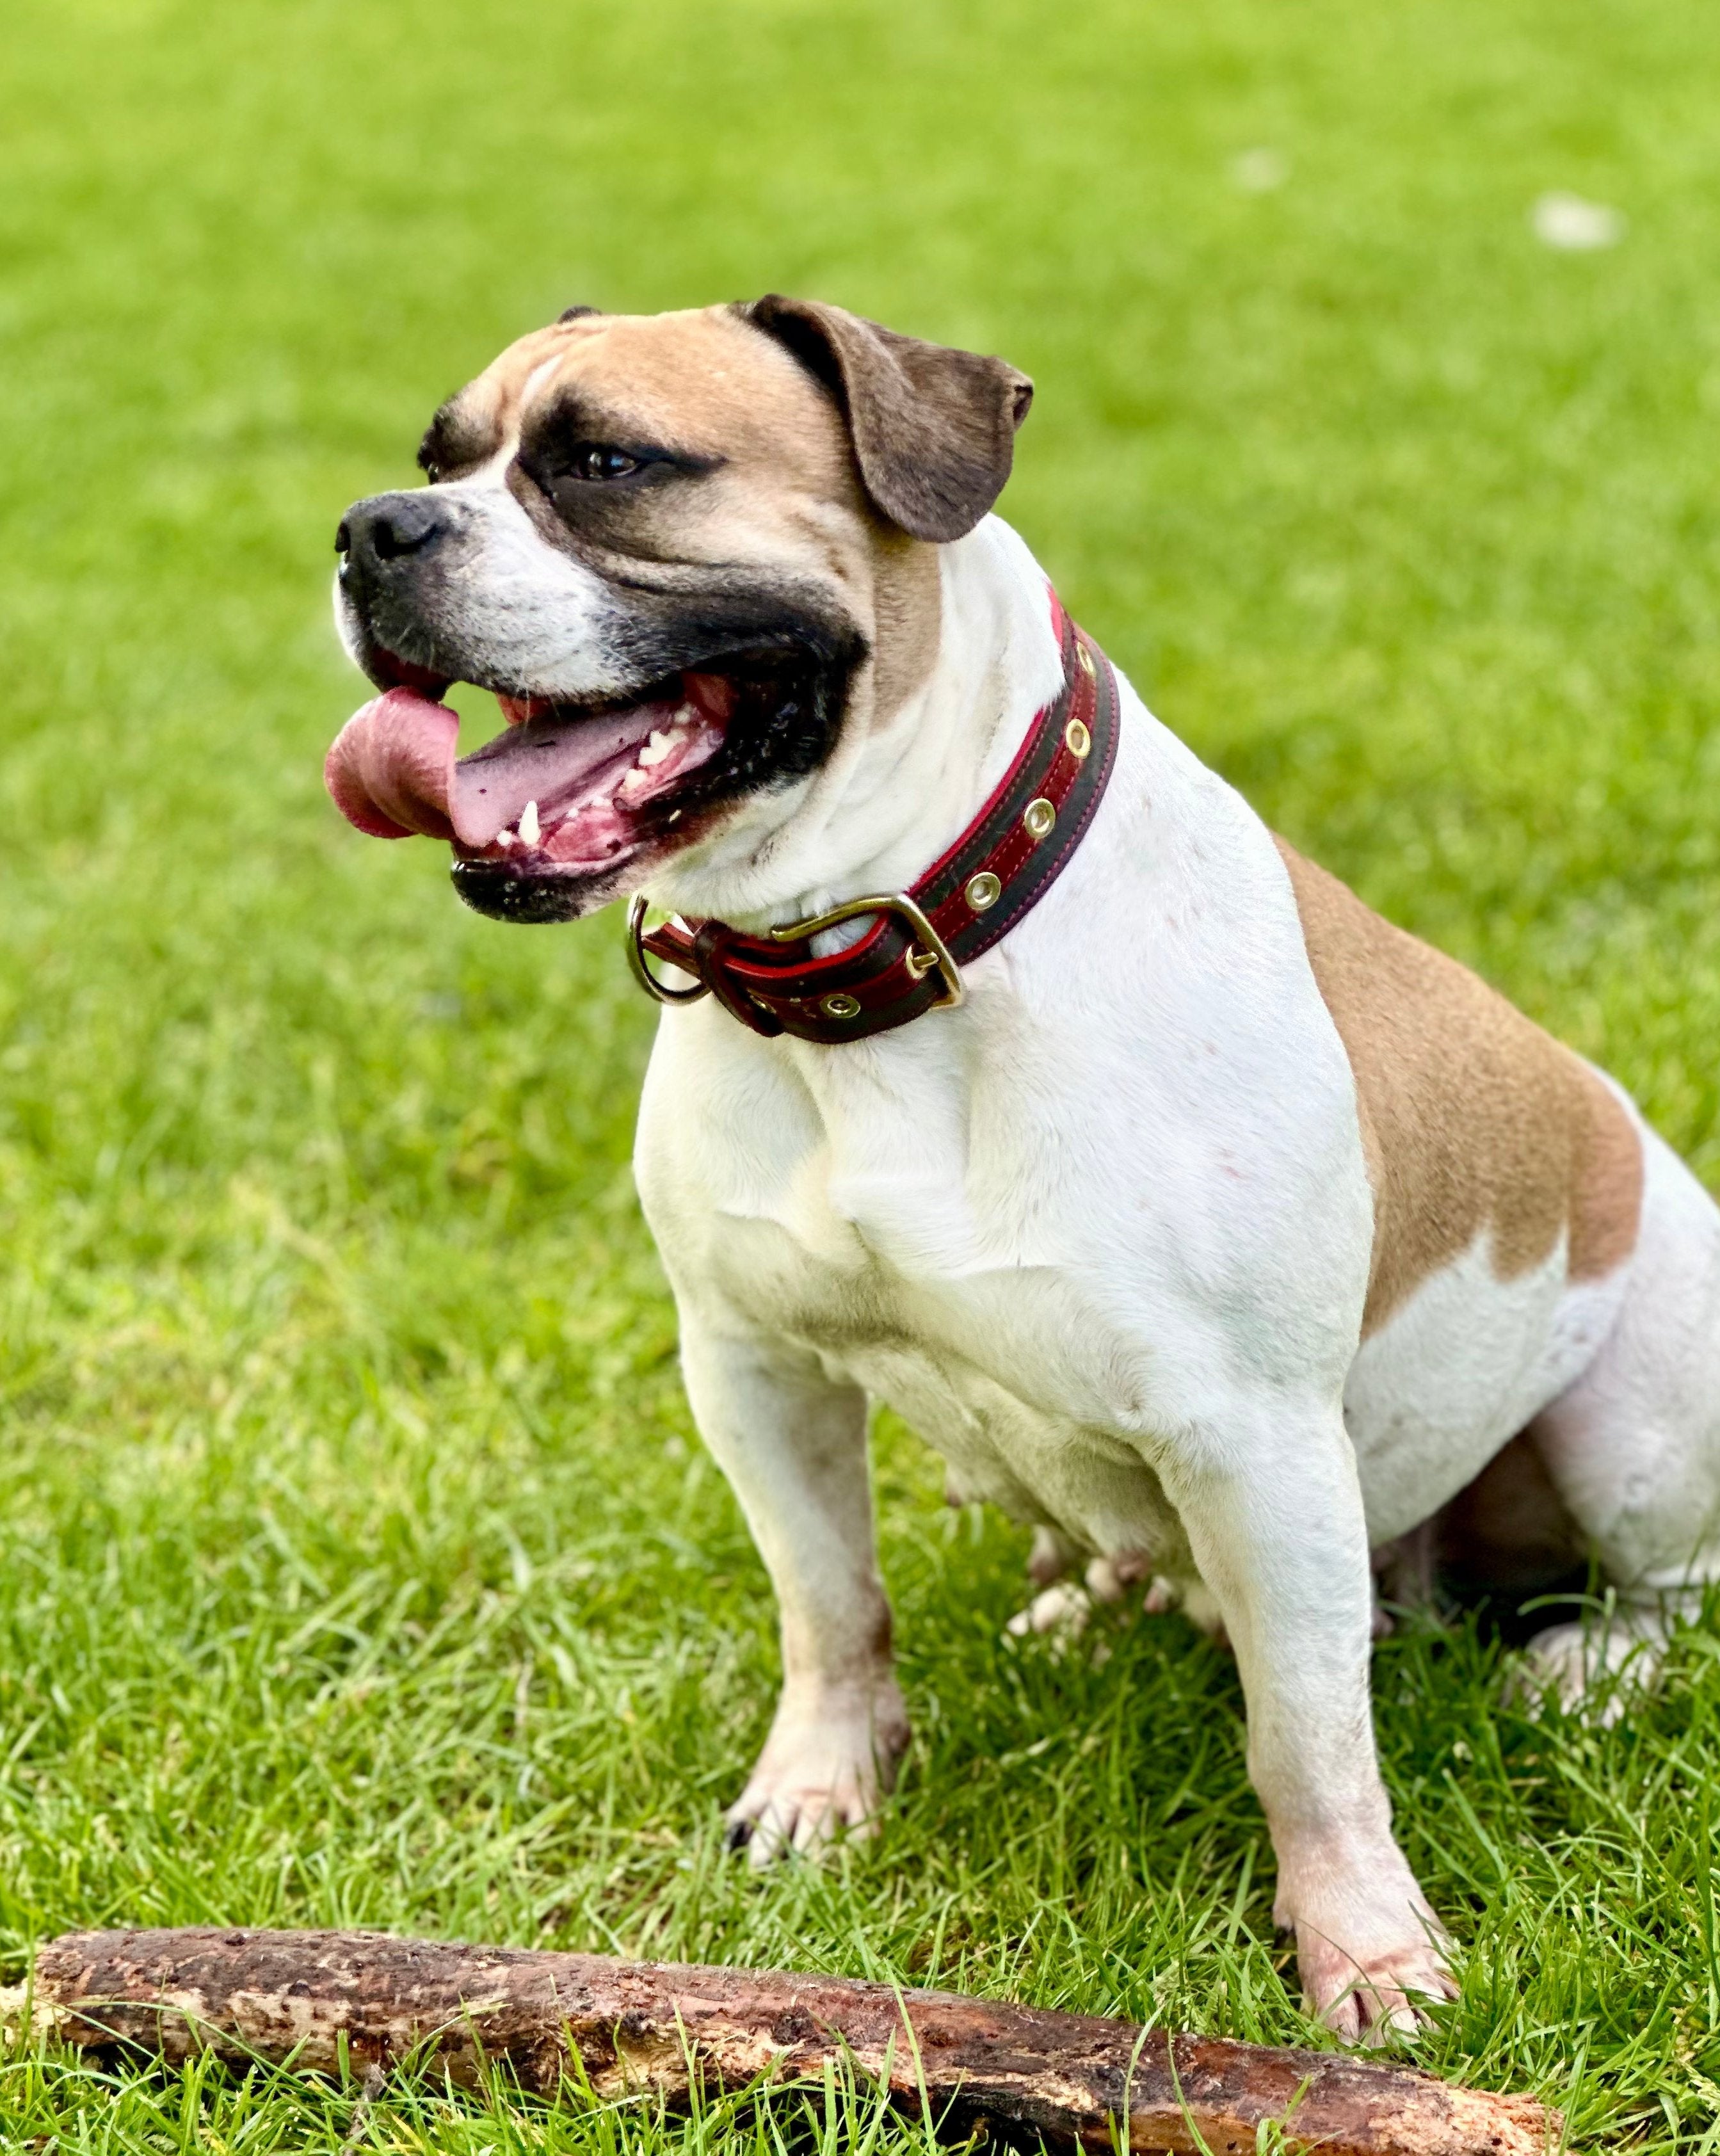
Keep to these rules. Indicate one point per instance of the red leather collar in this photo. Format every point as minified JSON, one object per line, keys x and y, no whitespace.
{"x":910,"y":961}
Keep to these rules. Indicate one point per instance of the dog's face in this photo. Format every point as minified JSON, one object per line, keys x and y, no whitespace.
{"x":691,"y":554}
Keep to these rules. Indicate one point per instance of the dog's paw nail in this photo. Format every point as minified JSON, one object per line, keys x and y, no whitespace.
{"x":737,"y":1834}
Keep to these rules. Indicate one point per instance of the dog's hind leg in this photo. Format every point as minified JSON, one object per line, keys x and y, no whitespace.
{"x":1633,"y":1448}
{"x":793,"y":1444}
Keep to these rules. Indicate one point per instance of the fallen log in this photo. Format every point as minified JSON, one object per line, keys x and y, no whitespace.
{"x":306,"y":1997}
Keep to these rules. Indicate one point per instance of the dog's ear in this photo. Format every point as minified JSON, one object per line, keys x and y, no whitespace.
{"x":933,"y":428}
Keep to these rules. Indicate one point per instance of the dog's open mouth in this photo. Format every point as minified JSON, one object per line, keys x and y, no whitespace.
{"x":564,"y":786}
{"x":567,"y":795}
{"x":576,"y":799}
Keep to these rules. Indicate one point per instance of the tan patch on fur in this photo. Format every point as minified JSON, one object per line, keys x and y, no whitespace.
{"x":789,"y":493}
{"x":1472,"y":1117}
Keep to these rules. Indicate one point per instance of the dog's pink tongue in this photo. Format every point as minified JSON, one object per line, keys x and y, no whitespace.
{"x":391,"y":770}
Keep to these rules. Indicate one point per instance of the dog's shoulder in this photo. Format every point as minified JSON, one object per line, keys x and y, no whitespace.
{"x":1473,"y":1119}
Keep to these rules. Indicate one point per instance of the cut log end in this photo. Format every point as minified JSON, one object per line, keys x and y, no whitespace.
{"x":328,"y":1999}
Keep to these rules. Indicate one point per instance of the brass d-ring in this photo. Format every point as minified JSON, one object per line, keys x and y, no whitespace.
{"x":641,"y":972}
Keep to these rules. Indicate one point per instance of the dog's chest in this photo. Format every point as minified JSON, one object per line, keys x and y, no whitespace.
{"x":1012,"y":1373}
{"x":954,"y":1292}
{"x":877,"y":1247}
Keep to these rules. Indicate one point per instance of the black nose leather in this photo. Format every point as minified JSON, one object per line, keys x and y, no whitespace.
{"x":389,"y":525}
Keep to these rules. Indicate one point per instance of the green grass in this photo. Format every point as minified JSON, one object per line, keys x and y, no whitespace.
{"x":358,"y":1561}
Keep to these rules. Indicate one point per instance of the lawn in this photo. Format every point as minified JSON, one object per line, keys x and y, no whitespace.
{"x":358,"y":1561}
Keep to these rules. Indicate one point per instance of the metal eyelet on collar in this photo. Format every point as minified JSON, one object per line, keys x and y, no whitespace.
{"x":983,"y":890}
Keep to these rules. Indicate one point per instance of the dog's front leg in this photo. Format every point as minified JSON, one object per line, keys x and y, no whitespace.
{"x":1273,"y":1512}
{"x":793,"y":1446}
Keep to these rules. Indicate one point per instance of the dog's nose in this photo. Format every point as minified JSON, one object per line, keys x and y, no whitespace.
{"x":389,"y":525}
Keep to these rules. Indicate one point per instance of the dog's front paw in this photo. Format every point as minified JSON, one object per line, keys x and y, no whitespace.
{"x":1370,"y":1966}
{"x":1370,"y":1997}
{"x":824,"y":1767}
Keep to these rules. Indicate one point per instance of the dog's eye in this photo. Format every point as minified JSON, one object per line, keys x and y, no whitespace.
{"x":596,"y":461}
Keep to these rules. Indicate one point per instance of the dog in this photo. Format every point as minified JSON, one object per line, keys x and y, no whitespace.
{"x":1225,"y":1233}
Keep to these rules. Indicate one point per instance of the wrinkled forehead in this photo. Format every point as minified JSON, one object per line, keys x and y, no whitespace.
{"x":705,"y":381}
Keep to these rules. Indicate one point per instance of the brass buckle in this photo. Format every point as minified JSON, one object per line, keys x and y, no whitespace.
{"x":641,"y":972}
{"x":920,"y":963}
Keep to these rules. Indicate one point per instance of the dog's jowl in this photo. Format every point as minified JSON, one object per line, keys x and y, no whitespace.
{"x":1231,"y":1237}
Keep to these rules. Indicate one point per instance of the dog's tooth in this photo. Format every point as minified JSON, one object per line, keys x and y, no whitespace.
{"x":528,"y":824}
{"x":685,"y":717}
{"x":655,"y":750}
{"x":506,"y":838}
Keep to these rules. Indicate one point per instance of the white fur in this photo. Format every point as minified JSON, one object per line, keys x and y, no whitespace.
{"x":1102,"y":1235}
{"x":1468,"y":1361}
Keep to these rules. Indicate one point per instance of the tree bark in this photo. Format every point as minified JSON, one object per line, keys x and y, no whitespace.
{"x":1027,"y":2074}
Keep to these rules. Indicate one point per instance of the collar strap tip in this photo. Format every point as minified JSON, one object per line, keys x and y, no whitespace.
{"x":926,"y":950}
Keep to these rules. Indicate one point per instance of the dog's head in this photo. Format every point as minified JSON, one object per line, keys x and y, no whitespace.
{"x":690,"y":553}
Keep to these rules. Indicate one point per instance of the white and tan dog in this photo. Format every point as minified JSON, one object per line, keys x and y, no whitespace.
{"x":1225,"y":1232}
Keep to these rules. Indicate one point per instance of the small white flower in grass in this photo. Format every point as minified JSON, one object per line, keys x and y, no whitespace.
{"x":1258,"y":170}
{"x":1569,"y":222}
